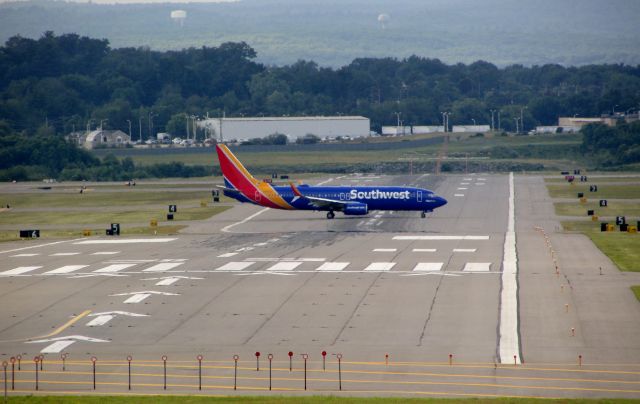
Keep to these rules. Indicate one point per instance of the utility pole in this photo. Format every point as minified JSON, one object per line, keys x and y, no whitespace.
{"x":128,"y":120}
{"x":186,"y":119}
{"x":517,"y":129}
{"x":140,"y":129}
{"x":398,"y":121}
{"x":151,"y":124}
{"x":522,"y":118}
{"x":493,"y":126}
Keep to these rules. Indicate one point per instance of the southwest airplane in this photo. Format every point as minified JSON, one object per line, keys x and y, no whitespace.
{"x":241,"y":185}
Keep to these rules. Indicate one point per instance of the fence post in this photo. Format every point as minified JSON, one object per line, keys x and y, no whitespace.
{"x":235,"y":372}
{"x":93,"y":360}
{"x":164,"y":361}
{"x":129,"y":359}
{"x":199,"y":357}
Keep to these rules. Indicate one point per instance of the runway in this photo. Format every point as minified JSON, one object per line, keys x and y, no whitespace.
{"x":390,"y":283}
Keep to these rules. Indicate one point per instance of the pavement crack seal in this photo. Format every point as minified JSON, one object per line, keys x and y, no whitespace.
{"x":509,"y":335}
{"x":433,"y":303}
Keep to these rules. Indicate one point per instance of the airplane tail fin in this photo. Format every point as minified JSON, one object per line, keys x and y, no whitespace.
{"x":235,"y":175}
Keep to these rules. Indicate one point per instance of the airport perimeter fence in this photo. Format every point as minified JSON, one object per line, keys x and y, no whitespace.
{"x":327,"y":374}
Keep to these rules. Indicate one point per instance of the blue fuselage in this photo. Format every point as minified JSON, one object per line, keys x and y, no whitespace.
{"x":376,"y":198}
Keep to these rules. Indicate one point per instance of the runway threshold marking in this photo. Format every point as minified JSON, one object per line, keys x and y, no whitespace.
{"x":284,"y":266}
{"x":227,"y":228}
{"x":332,"y":266}
{"x":227,"y":255}
{"x":113,"y":268}
{"x":235,"y":266}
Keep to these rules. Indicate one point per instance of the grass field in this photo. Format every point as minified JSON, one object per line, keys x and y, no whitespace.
{"x":65,"y":199}
{"x":12,"y":235}
{"x":133,"y":215}
{"x":596,"y":180}
{"x":605,"y":190}
{"x":636,"y":291}
{"x":629,"y":209}
{"x":621,"y":247}
{"x":354,"y":153}
{"x":285,"y":400}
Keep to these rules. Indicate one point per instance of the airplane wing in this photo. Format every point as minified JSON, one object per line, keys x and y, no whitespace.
{"x":321,"y":203}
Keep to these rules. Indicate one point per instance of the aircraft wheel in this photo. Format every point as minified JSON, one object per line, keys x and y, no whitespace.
{"x":330,"y":214}
{"x":423,"y":215}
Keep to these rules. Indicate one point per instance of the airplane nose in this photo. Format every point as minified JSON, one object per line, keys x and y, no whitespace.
{"x":441,"y":201}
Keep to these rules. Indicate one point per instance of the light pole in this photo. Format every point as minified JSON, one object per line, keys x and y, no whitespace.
{"x":517,"y":129}
{"x":151,"y":115}
{"x":89,"y":125}
{"x":522,"y":118}
{"x":499,"y":125}
{"x":101,"y":121}
{"x":129,"y":128}
{"x":398,"y":122}
{"x":474,"y":121}
{"x":614,"y":109}
{"x":493,"y":126}
{"x":193,"y":118}
{"x":140,"y":129}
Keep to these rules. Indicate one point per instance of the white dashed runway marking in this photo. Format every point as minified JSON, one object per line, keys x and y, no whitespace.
{"x":106,"y":253}
{"x":385,"y":250}
{"x":428,"y":266}
{"x":19,"y":271}
{"x":284,"y":266}
{"x":235,"y":266}
{"x":468,"y":250}
{"x":441,"y":238}
{"x":424,"y":250}
{"x":23,"y":255}
{"x":477,"y":267}
{"x":127,"y":241}
{"x":113,"y":268}
{"x":66,"y":269}
{"x":227,"y":255}
{"x":64,"y":254}
{"x":164,"y":266}
{"x":332,"y":266}
{"x":380,"y":266}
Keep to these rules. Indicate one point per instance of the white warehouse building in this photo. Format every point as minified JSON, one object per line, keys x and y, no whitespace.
{"x":240,"y":129}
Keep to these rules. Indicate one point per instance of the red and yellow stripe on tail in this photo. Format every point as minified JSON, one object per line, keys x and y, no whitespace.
{"x":259,"y":192}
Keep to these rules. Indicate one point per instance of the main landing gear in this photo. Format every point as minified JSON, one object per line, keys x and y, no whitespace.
{"x":423,"y":215}
{"x":330,"y":214}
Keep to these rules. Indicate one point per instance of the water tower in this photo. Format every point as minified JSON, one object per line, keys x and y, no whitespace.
{"x":179,"y":16}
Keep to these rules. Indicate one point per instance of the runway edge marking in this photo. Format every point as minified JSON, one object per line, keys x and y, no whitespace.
{"x":227,"y":229}
{"x":509,"y":338}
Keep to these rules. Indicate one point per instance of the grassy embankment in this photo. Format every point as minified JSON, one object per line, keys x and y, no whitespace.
{"x":68,"y":213}
{"x":484,"y":151}
{"x":622,"y":248}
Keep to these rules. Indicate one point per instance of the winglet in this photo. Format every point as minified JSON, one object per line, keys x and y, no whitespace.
{"x":295,"y":190}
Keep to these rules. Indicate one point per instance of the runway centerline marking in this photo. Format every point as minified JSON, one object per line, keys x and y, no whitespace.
{"x":385,"y":249}
{"x":25,"y":255}
{"x":64,"y":254}
{"x":424,"y":250}
{"x":467,"y":250}
{"x":227,"y":228}
{"x":106,"y":253}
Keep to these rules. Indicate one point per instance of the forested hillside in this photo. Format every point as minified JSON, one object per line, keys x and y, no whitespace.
{"x":334,"y":32}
